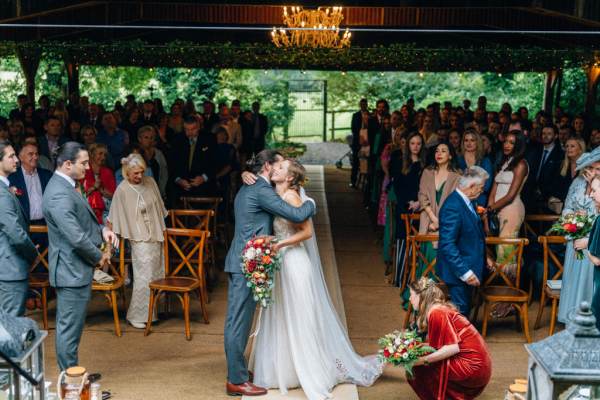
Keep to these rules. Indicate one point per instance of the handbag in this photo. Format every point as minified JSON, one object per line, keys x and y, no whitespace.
{"x":493,"y":223}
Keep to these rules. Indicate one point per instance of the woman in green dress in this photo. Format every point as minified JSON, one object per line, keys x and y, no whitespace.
{"x":438,"y":181}
{"x":593,"y":245}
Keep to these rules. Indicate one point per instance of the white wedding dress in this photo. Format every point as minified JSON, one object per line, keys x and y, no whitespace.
{"x":301,"y":341}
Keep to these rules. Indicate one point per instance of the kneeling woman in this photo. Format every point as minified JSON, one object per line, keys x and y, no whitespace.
{"x":461,"y":367}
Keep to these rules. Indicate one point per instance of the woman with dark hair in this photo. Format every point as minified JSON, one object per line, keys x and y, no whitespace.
{"x":461,"y":366}
{"x":505,"y":200}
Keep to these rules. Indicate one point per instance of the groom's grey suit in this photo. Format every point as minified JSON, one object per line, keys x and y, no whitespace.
{"x":75,"y":237}
{"x":254,"y":206}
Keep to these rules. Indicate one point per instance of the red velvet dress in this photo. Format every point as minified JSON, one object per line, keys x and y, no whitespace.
{"x":462,"y":376}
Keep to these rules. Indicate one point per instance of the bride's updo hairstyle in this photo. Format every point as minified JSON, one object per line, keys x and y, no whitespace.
{"x":430,"y":294}
{"x":298,"y":174}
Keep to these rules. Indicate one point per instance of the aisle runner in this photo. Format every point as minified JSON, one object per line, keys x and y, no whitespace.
{"x":316,"y":189}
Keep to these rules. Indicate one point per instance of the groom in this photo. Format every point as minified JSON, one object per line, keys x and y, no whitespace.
{"x":254,"y":208}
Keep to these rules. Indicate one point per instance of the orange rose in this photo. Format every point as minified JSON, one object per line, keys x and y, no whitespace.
{"x":480,"y":210}
{"x":266,"y":260}
{"x":259,"y":241}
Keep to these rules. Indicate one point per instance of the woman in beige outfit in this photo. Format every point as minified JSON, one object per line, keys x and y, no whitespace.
{"x":137,"y":213}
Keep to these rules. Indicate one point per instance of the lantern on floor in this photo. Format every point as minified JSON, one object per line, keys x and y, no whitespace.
{"x":567,"y":364}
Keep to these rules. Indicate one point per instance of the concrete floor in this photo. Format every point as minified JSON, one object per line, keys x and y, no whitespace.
{"x":166,"y":366}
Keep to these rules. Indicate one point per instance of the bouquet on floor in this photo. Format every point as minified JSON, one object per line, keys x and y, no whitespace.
{"x":259,"y":264}
{"x":403,"y":348}
{"x":573,"y":226}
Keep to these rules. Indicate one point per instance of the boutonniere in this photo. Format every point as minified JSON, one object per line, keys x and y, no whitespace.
{"x":16,"y":191}
{"x":481,"y":210}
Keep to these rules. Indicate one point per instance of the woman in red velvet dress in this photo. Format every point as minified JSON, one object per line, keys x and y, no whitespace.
{"x":461,"y":367}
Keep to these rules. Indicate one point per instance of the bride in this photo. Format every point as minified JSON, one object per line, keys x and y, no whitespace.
{"x":301,"y":341}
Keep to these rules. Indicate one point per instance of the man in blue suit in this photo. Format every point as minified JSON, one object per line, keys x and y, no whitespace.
{"x":461,"y":249}
{"x":30,"y":182}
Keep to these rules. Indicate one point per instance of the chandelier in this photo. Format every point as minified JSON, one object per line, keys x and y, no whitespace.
{"x":311,"y":28}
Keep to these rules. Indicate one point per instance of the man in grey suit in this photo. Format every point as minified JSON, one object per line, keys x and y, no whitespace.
{"x":17,"y":252}
{"x":75,"y":239}
{"x":255,"y":206}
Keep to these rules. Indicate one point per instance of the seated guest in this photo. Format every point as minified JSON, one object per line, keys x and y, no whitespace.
{"x":31,"y":182}
{"x":113,"y":137}
{"x":88,"y":135}
{"x":194,"y":169}
{"x":461,"y":250}
{"x":137,"y":213}
{"x":473,"y":153}
{"x":99,"y":182}
{"x":154,"y":158}
{"x":461,"y":366}
{"x":53,"y":138}
{"x":544,"y":161}
{"x":132,"y":124}
{"x":74,"y":130}
{"x":17,"y":249}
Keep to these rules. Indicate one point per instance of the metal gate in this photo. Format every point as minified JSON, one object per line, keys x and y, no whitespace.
{"x":308,"y":98}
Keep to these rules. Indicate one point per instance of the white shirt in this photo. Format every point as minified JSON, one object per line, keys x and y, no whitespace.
{"x":68,"y":178}
{"x":467,"y":201}
{"x":34,"y":192}
{"x":5,"y":180}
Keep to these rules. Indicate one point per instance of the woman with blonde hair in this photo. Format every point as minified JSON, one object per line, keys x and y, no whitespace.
{"x":473,"y":153}
{"x":574,"y":148}
{"x":461,"y":366}
{"x":137,"y":213}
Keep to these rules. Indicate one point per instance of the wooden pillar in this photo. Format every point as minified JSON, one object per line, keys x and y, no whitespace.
{"x":593,"y":75}
{"x":551,"y":80}
{"x":72,"y":78}
{"x":558,"y":89}
{"x":30,"y":61}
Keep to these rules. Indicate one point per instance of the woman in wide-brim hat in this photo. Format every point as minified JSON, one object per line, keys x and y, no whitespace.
{"x":578,"y":275}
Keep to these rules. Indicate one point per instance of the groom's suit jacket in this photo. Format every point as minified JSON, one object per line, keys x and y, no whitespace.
{"x":255,"y":205}
{"x":74,"y":234}
{"x":462,"y":241}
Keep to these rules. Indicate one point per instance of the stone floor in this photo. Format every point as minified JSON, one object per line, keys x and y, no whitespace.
{"x":166,"y":366}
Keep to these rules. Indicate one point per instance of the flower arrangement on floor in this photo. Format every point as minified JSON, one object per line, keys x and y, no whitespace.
{"x":259,"y":264}
{"x":403,"y":348}
{"x":573,"y":226}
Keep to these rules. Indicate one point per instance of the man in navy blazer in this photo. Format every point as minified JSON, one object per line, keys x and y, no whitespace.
{"x":461,"y":249}
{"x":31,"y":181}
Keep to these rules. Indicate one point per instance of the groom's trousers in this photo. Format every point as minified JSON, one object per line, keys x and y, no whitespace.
{"x":240,"y":313}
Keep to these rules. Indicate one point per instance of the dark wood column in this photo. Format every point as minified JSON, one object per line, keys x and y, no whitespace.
{"x":30,"y":61}
{"x":593,"y":74}
{"x":552,"y":77}
{"x":72,"y":78}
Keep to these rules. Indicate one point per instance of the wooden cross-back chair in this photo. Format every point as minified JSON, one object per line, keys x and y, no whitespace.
{"x":546,"y":292}
{"x":536,"y":225}
{"x":411,"y":230}
{"x":500,"y":287}
{"x":111,"y":290}
{"x":40,"y":281}
{"x":418,"y":256}
{"x":184,"y":274}
{"x":218,"y":226}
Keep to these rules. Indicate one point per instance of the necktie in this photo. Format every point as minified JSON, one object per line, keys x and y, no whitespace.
{"x":191,"y":155}
{"x":544,"y":156}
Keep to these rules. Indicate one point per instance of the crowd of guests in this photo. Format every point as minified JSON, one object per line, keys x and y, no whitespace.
{"x":413,"y":159}
{"x":142,"y":160}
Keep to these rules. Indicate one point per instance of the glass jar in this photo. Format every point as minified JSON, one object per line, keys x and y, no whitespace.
{"x":74,"y":384}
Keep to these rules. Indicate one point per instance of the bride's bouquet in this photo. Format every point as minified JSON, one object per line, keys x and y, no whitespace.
{"x":573,"y":226}
{"x":403,"y":348}
{"x":259,"y":264}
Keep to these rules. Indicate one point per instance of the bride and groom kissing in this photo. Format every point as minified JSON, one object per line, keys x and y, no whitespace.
{"x":301,"y":341}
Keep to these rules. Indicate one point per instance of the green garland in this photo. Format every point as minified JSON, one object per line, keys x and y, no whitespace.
{"x":395,"y":57}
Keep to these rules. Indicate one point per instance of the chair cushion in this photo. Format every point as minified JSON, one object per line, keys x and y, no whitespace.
{"x":504,"y":293}
{"x":176,"y":283}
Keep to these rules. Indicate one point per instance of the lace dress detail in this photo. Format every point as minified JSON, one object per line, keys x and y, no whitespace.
{"x":302,"y":342}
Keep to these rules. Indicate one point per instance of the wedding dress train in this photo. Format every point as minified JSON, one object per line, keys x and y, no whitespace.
{"x":301,"y":341}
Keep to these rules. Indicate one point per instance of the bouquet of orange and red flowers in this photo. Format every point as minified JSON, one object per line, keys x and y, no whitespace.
{"x":573,"y":226}
{"x":403,"y":348}
{"x":259,"y":264}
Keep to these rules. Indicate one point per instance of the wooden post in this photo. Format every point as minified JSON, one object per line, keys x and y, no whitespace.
{"x":593,"y":74}
{"x":30,"y":61}
{"x":551,"y":79}
{"x":72,"y":78}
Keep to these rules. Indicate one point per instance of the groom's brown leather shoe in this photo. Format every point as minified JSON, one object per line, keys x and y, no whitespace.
{"x":245,"y":389}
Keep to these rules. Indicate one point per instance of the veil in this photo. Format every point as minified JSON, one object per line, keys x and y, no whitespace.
{"x":330,"y":276}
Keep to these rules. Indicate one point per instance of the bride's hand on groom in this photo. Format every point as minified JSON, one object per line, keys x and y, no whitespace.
{"x":248,"y":178}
